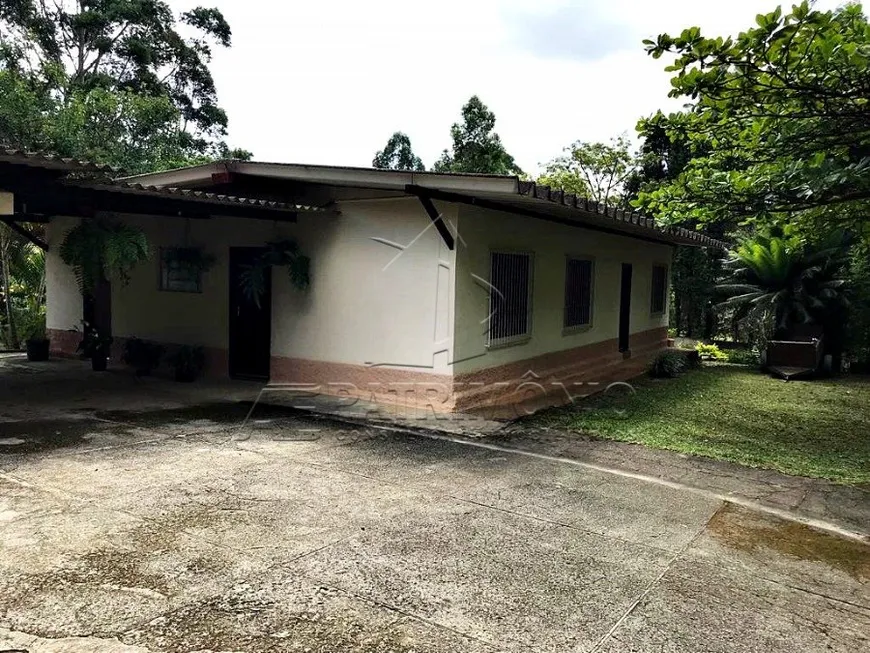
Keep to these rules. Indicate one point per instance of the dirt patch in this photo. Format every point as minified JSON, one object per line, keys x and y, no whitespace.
{"x":739,"y":529}
{"x":41,"y":435}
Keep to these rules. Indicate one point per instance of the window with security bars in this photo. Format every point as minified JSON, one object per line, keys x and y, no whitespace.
{"x":578,"y":293}
{"x":176,"y":272}
{"x":659,"y":289}
{"x":510,"y":296}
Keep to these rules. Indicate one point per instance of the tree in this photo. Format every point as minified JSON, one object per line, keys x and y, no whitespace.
{"x":664,"y":155}
{"x":597,"y":171}
{"x":476,"y":148}
{"x":132,"y":45}
{"x":398,"y":155}
{"x":783,"y":280}
{"x":22,"y":289}
{"x":785,"y":111}
{"x":111,"y":80}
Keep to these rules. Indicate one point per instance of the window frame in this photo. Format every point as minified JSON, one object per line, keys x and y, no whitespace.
{"x":519,"y":339}
{"x":162,"y":253}
{"x":578,"y":328}
{"x":652,"y":280}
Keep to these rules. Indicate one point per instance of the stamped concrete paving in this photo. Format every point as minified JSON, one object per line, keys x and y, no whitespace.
{"x":170,"y":529}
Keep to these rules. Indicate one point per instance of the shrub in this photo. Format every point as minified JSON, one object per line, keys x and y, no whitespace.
{"x":710,"y":352}
{"x":668,"y":364}
{"x":743,"y":357}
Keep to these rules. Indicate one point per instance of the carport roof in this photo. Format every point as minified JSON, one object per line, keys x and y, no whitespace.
{"x":80,"y":184}
{"x":498,"y":192}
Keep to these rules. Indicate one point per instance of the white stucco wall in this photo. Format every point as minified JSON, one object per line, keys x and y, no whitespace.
{"x":63,"y":305}
{"x":482,"y":231}
{"x":370,"y":301}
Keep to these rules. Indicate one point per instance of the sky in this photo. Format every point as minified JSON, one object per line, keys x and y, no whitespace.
{"x":328,"y":82}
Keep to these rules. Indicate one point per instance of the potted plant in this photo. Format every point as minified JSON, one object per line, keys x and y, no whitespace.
{"x":143,"y":356}
{"x":38,"y":347}
{"x":188,"y":362}
{"x":95,"y":345}
{"x":35,"y":340}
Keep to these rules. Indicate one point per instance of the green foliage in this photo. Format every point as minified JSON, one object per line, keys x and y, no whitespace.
{"x":398,"y":155}
{"x":663,"y":157}
{"x":142,"y":355}
{"x":136,"y":46}
{"x":779,"y":121}
{"x":858,"y":327}
{"x":783,"y":280}
{"x":476,"y":148}
{"x":743,"y":357}
{"x":99,"y":250}
{"x":22,"y":288}
{"x":283,"y":253}
{"x":668,"y":364}
{"x":694,"y":272}
{"x":597,"y":171}
{"x":710,"y":352}
{"x":113,"y":82}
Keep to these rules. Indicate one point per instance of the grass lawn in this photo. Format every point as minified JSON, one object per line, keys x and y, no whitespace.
{"x":808,"y":428}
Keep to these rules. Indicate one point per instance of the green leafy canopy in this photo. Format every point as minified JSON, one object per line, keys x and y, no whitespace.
{"x":476,"y":147}
{"x":778,"y":121}
{"x":398,"y":155}
{"x":597,"y":171}
{"x":123,"y":82}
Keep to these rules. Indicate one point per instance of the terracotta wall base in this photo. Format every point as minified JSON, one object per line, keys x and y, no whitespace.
{"x":552,"y":379}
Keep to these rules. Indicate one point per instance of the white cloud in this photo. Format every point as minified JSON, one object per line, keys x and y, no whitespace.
{"x":329,"y":82}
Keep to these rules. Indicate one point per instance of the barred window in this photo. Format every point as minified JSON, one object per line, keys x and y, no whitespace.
{"x":510,"y":296}
{"x":177,"y":274}
{"x":658,"y":300}
{"x":578,"y":293}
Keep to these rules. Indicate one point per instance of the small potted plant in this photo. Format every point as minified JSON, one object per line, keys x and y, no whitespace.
{"x":95,"y":345}
{"x":143,"y":356}
{"x":188,"y":362}
{"x":37,"y":344}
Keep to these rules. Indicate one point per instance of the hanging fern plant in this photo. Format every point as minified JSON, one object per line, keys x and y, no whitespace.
{"x":100,"y":250}
{"x":282,"y":253}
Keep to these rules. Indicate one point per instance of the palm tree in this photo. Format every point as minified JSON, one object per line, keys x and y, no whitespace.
{"x":782,"y":281}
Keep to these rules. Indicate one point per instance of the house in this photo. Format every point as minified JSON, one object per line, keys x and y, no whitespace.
{"x":447,"y":291}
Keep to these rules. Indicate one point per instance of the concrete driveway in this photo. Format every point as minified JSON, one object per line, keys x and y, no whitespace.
{"x":129,"y":525}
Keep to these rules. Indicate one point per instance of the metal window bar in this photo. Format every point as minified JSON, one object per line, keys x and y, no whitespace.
{"x":510,"y":276}
{"x":578,"y":293}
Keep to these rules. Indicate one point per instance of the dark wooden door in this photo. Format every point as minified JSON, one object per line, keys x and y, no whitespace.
{"x":625,"y":307}
{"x":250,"y":323}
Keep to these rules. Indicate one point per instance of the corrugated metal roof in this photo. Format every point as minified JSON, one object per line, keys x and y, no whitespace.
{"x":194,"y":195}
{"x":103,"y":181}
{"x":53,"y":161}
{"x":559,"y":196}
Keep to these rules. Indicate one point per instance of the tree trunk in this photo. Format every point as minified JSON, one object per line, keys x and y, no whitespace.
{"x":678,"y":313}
{"x":11,"y":340}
